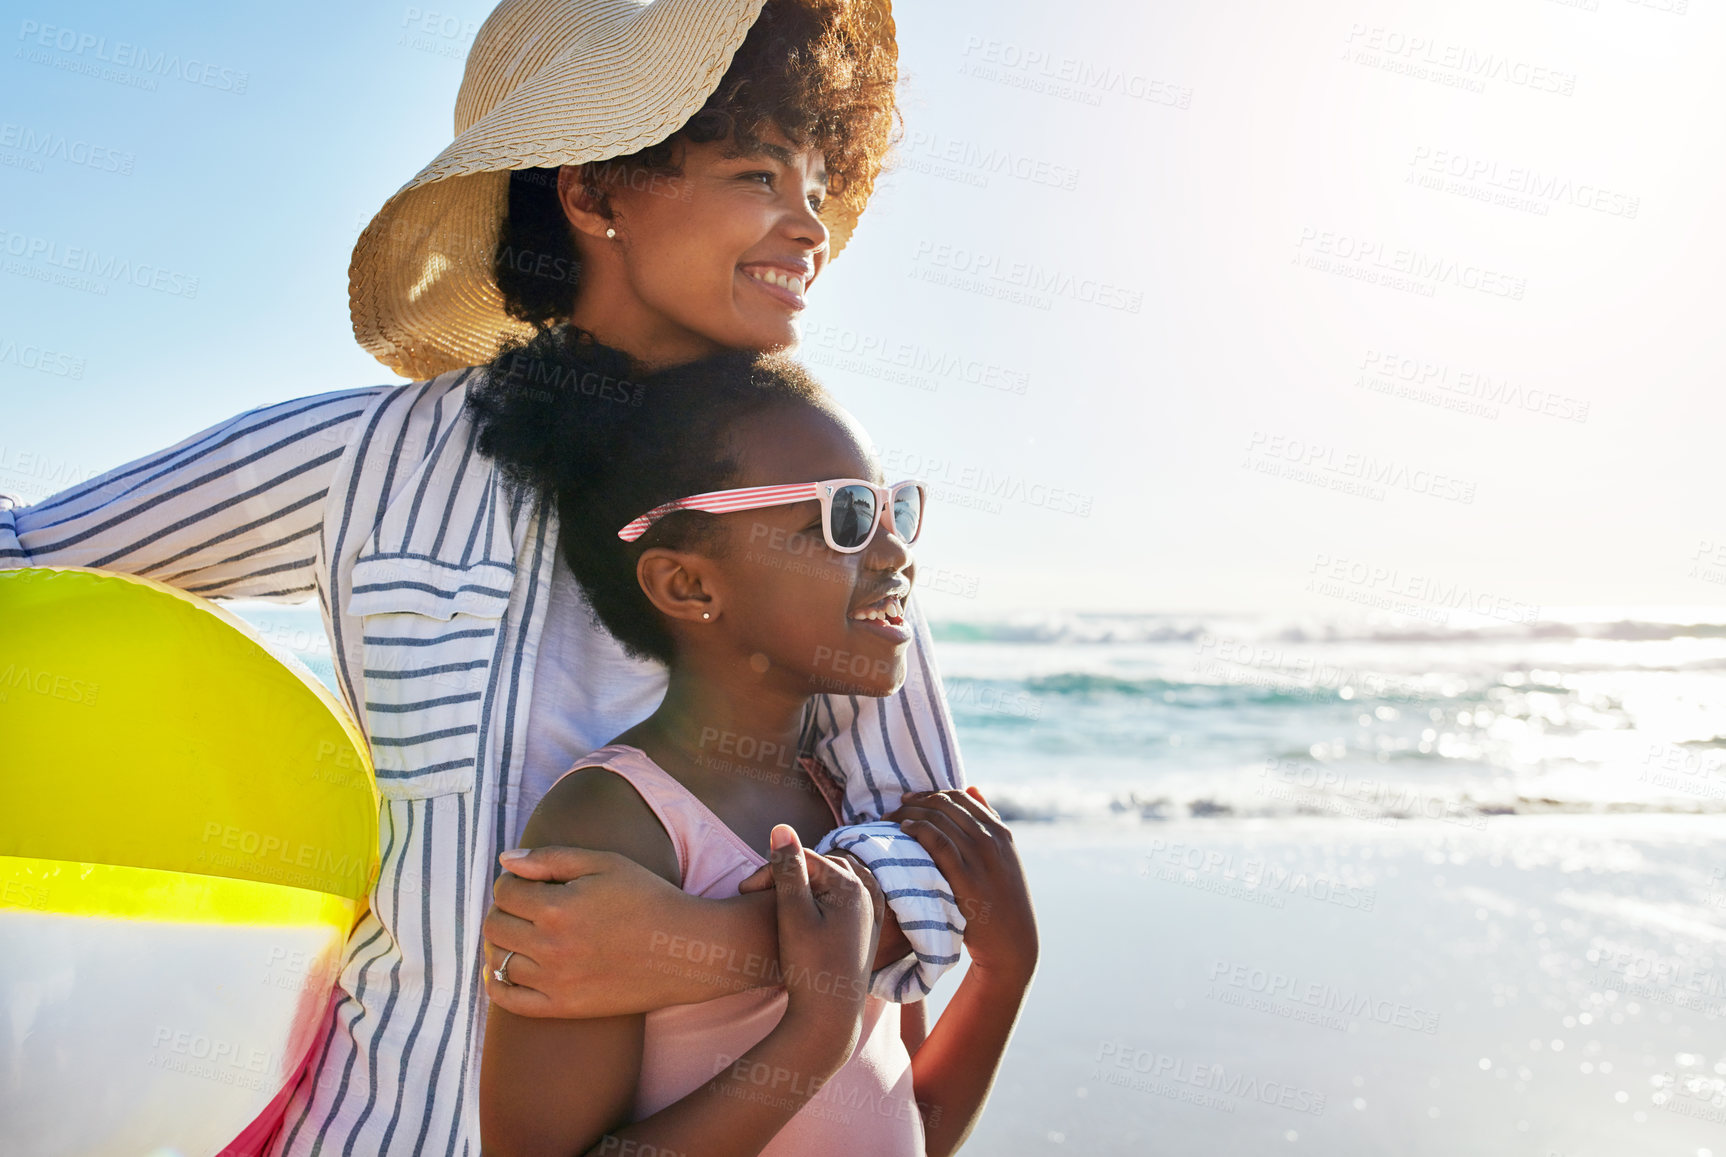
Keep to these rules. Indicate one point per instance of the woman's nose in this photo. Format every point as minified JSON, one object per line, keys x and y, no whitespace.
{"x":805,"y":225}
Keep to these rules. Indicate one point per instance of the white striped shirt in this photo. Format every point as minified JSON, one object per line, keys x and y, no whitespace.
{"x":434,"y":587}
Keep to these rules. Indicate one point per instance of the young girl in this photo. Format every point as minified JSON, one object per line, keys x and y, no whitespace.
{"x":734,"y":527}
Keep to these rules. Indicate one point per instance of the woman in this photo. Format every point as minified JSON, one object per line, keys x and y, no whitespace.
{"x":453,"y":637}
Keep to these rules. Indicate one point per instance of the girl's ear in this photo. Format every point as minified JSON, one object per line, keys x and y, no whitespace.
{"x":679,"y":584}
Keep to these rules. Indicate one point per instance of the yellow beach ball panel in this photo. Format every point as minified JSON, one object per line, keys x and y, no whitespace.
{"x":147,"y":727}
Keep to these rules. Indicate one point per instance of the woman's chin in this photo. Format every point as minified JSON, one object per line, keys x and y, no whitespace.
{"x":766,"y":327}
{"x":774,"y":336}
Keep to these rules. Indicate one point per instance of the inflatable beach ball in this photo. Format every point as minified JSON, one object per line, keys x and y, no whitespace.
{"x":188,"y":832}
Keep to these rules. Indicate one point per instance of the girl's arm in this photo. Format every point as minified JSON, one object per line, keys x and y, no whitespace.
{"x":881,"y":748}
{"x":232,"y":512}
{"x":954,"y":1066}
{"x":550,"y":1086}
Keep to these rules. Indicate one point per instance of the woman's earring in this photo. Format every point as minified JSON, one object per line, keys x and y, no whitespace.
{"x":610,"y":232}
{"x":705,"y":615}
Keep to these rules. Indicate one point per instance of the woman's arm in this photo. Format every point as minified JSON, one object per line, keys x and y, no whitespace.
{"x":953,"y":1067}
{"x":557,"y":1086}
{"x":232,"y":512}
{"x":597,"y":925}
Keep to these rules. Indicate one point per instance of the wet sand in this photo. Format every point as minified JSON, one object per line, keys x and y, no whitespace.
{"x":1540,"y":985}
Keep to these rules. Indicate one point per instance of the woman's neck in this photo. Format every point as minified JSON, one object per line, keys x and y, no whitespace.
{"x":652,"y":342}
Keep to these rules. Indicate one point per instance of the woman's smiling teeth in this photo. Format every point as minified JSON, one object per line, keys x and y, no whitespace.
{"x":777,"y":277}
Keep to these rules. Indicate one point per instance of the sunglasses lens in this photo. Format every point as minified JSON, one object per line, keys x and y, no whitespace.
{"x":908,"y":512}
{"x":853,"y":515}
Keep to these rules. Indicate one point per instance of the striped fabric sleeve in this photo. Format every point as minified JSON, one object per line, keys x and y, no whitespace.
{"x":883,"y":748}
{"x":231,"y":512}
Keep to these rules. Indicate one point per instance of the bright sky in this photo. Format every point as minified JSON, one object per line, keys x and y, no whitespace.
{"x":1178,"y":305}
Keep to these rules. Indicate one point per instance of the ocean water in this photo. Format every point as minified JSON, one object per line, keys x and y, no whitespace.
{"x":1138,"y":718}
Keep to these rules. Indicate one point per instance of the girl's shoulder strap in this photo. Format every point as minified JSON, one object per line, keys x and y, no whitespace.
{"x":706,"y":848}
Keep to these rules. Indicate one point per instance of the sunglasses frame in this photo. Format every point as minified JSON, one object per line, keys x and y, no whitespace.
{"x":762,"y":497}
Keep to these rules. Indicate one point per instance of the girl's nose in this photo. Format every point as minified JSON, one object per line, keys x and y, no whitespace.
{"x":887,"y":551}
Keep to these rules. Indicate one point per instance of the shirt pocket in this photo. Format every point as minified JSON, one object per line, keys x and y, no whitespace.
{"x":429,"y":630}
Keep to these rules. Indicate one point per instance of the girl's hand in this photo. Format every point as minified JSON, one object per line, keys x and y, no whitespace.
{"x":974,"y":849}
{"x":891,"y":942}
{"x":828,"y":924}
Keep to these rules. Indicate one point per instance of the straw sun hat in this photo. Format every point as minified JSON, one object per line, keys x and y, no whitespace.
{"x":547,"y":82}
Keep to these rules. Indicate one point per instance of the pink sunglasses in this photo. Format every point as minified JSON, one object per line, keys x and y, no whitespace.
{"x":851,"y":508}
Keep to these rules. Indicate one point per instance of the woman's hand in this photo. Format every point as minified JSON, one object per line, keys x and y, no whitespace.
{"x":829,"y":922}
{"x":596,"y":934}
{"x":974,"y":850}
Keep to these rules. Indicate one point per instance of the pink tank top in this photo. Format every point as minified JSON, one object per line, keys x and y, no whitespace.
{"x":866,"y":1108}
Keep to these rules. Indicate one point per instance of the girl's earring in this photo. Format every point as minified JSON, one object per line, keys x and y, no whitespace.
{"x":705,"y":615}
{"x":610,"y":232}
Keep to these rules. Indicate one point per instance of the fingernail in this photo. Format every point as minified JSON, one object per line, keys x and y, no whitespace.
{"x":779,"y":837}
{"x":512,"y":854}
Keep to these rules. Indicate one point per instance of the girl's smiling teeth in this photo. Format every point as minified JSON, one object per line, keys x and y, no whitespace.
{"x":888,"y":610}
